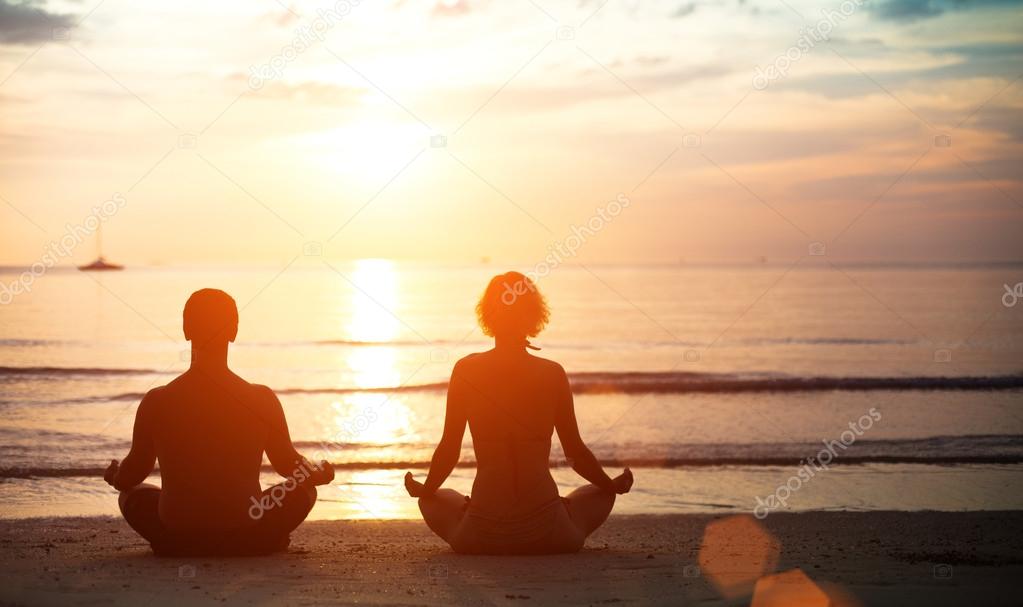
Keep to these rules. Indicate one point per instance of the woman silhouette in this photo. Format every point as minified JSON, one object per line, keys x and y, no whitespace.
{"x":513,"y":401}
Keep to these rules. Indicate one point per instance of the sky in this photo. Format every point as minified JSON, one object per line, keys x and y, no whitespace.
{"x":251,"y":132}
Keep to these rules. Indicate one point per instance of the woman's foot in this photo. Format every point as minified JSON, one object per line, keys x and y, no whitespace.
{"x":414,"y":487}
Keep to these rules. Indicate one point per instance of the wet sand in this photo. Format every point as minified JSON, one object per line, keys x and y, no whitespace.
{"x":816,"y":558}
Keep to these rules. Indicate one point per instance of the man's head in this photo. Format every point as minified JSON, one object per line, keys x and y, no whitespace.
{"x":210,"y":318}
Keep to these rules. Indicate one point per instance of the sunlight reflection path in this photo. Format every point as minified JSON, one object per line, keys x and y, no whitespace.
{"x":378,"y":419}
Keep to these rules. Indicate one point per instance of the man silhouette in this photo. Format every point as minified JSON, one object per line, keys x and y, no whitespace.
{"x":209,"y":429}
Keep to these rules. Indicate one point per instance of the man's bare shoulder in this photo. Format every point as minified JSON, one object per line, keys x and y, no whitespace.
{"x":152,"y":401}
{"x":263,"y":392}
{"x":264,"y":398}
{"x":172,"y":387}
{"x":171,"y":390}
{"x":157,"y":394}
{"x":187,"y":384}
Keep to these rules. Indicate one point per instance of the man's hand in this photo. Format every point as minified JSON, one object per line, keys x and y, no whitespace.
{"x":623,"y":482}
{"x":111,"y":473}
{"x":414,"y":487}
{"x":323,"y":474}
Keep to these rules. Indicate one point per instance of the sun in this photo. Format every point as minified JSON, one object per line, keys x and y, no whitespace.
{"x":373,"y":150}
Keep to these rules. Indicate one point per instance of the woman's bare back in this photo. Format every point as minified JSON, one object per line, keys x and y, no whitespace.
{"x":510,"y":401}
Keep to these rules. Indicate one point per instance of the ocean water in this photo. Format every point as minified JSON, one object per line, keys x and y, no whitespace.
{"x":715,"y":383}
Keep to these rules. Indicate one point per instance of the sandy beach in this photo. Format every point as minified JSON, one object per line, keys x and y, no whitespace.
{"x":875,"y":558}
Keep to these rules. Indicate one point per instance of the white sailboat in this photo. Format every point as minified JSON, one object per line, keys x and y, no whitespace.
{"x":100,"y":264}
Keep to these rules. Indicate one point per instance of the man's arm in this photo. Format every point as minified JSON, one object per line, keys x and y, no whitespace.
{"x":142,"y":458}
{"x":283,"y":456}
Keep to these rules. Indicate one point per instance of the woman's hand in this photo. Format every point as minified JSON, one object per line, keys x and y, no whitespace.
{"x":111,"y":473}
{"x":414,"y":487}
{"x":623,"y":482}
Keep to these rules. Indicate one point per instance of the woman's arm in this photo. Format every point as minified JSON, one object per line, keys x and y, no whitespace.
{"x":446,"y":455}
{"x":578,"y":454}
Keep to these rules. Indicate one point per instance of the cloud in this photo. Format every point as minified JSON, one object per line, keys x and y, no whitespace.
{"x":283,"y":18}
{"x":908,"y":10}
{"x":596,"y":86}
{"x":318,"y":93}
{"x":647,"y":60}
{"x":26,"y":23}
{"x":451,"y":8}
{"x":937,"y":65}
{"x":1006,"y":120}
{"x":685,"y":10}
{"x":914,"y":10}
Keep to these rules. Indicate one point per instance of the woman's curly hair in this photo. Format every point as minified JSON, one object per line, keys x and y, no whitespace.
{"x":512,"y":306}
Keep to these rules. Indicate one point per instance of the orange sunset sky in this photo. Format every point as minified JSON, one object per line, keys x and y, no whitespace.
{"x":238,"y":131}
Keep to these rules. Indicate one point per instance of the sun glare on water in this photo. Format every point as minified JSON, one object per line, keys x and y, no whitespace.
{"x":373,"y":419}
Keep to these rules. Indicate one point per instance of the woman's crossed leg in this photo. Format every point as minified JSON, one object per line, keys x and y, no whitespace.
{"x":587,"y":509}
